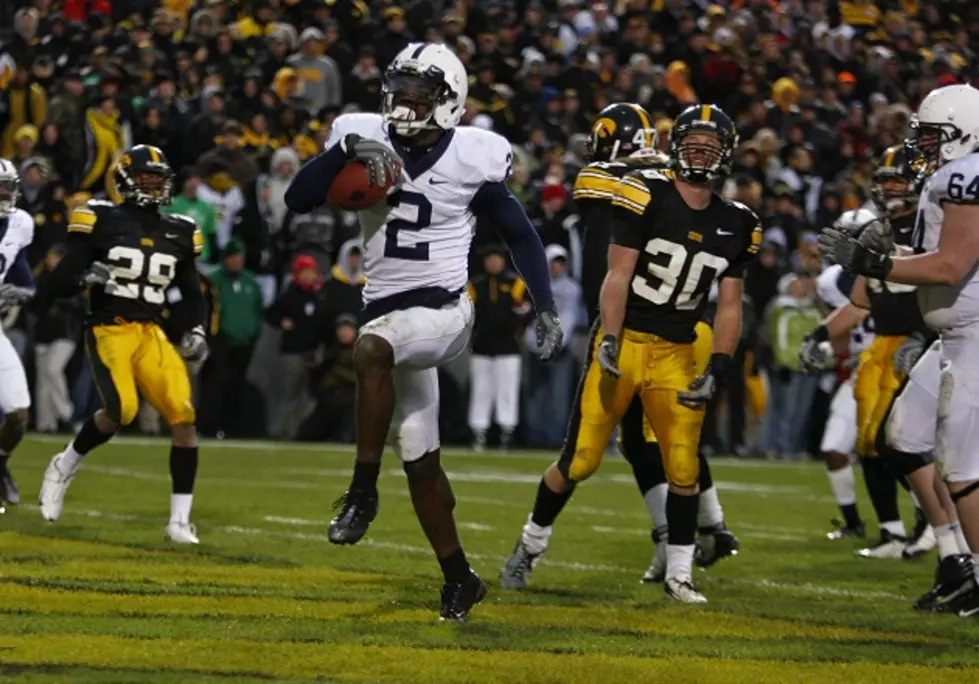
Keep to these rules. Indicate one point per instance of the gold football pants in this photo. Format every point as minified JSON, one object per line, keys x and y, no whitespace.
{"x":653,"y":369}
{"x":130,"y":359}
{"x":874,"y":388}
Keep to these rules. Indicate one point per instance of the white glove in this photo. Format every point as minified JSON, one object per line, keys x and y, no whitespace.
{"x":193,"y":348}
{"x":98,"y":274}
{"x":13,"y":295}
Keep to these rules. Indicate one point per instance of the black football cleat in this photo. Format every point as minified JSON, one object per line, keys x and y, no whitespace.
{"x":9,"y":491}
{"x":715,"y":543}
{"x":953,"y":579}
{"x":967,"y":605}
{"x":458,"y":598}
{"x":844,"y":531}
{"x":357,"y":510}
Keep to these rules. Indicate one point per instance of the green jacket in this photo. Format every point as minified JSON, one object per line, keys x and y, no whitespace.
{"x":203,"y":214}
{"x":790,"y":320}
{"x":240,"y":300}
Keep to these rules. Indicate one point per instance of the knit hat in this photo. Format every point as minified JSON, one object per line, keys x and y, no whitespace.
{"x":234,"y":246}
{"x":553,"y":191}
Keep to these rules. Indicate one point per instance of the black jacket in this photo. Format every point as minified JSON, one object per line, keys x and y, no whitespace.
{"x":501,"y":304}
{"x":307,"y":311}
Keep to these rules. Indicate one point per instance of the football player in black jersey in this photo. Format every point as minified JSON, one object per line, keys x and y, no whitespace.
{"x":900,"y":338}
{"x":623,"y":141}
{"x":129,"y":256}
{"x":671,"y":239}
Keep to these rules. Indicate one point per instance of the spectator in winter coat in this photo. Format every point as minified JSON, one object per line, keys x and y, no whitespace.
{"x":299,"y":313}
{"x":319,"y":75}
{"x":229,"y":151}
{"x":27,"y":103}
{"x":189,"y":204}
{"x":104,"y":133}
{"x":343,"y":291}
{"x":44,"y":201}
{"x":282,"y":169}
{"x":67,"y":111}
{"x":334,"y":388}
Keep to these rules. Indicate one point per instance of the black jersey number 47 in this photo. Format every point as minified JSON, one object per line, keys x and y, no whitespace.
{"x":671,"y":264}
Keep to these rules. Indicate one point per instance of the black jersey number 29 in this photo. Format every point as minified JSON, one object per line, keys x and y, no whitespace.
{"x":134,"y":276}
{"x":703,"y":268}
{"x":418,"y":252}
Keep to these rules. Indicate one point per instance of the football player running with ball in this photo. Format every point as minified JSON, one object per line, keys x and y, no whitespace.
{"x":943,"y":266}
{"x":623,"y":142}
{"x":417,"y":314}
{"x":671,"y":239}
{"x":130,"y":256}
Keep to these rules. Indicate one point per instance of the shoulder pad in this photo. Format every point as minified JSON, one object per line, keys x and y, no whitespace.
{"x":181,"y":220}
{"x":596,"y":182}
{"x":490,"y":152}
{"x":633,"y":191}
{"x":84,"y":217}
{"x":653,"y":175}
{"x":189,"y":226}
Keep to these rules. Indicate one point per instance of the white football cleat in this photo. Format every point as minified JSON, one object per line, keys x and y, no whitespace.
{"x":682,"y":590}
{"x":182,"y":533}
{"x":657,"y":570}
{"x":921,"y":543}
{"x":889,"y":546}
{"x":54,"y":487}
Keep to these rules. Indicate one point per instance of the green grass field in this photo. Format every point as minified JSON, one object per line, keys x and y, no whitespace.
{"x":99,"y":597}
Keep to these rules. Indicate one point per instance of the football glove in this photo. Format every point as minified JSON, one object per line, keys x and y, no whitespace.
{"x":608,"y":356}
{"x":703,"y":388}
{"x":549,"y":334}
{"x":98,"y":274}
{"x":13,"y":295}
{"x":909,"y":353}
{"x":383,"y":167}
{"x":193,"y":348}
{"x":841,"y":248}
{"x":814,"y":354}
{"x":878,"y":237}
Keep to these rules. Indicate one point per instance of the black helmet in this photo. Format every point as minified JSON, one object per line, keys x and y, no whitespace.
{"x":895,"y":184}
{"x":143,"y":176}
{"x":716,"y":163}
{"x":619,"y":130}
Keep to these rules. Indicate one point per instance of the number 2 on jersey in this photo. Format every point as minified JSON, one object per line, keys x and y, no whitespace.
{"x":419,"y":252}
{"x":669,"y":274}
{"x":129,"y":265}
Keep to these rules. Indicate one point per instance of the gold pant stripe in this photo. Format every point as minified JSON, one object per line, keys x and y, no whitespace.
{"x":874,"y":387}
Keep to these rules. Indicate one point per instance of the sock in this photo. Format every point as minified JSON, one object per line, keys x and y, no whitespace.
{"x":947,"y":544}
{"x":895,"y":527}
{"x":549,"y":504}
{"x":365,"y":477}
{"x":679,"y":562}
{"x":88,"y":438}
{"x":843,"y":485}
{"x":183,"y":469}
{"x":710,"y":513}
{"x":681,"y":515}
{"x":180,"y":507}
{"x":882,"y":487}
{"x":655,"y":500}
{"x":455,"y":567}
{"x":960,"y":538}
{"x":535,"y":537}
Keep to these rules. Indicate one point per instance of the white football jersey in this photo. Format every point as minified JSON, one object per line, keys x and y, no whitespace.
{"x":836,"y":293}
{"x":420,"y":238}
{"x":16,"y":233}
{"x":945,"y":307}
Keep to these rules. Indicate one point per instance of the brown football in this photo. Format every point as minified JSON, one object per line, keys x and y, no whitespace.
{"x":351,"y":189}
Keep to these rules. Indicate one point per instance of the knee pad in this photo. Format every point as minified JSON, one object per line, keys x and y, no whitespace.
{"x":956,"y":496}
{"x":583,"y":464}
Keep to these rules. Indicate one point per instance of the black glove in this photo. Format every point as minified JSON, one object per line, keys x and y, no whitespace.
{"x":383,"y":166}
{"x":813,"y":354}
{"x":841,"y":248}
{"x":908,"y":353}
{"x":98,"y":274}
{"x":703,"y":388}
{"x":608,"y":356}
{"x":193,"y":348}
{"x":549,"y":334}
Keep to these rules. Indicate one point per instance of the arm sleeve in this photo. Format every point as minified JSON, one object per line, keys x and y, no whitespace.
{"x":630,"y":199}
{"x":309,"y":188}
{"x":189,"y":283}
{"x":20,"y":272}
{"x":496,"y":204}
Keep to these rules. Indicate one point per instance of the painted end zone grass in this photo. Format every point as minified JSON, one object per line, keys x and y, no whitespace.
{"x":99,"y":597}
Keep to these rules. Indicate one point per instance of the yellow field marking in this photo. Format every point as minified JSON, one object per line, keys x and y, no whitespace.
{"x":46,"y":600}
{"x":355,"y":662}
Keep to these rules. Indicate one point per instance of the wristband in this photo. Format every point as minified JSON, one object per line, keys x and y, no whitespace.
{"x":720,"y":365}
{"x":820,"y":334}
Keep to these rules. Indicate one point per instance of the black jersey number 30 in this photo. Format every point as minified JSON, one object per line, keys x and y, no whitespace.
{"x":136,"y":277}
{"x":701,"y":264}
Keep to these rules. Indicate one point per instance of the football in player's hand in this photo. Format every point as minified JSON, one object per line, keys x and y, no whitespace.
{"x":351,"y":189}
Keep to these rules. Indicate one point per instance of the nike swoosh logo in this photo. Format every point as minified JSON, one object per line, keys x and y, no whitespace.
{"x":904,"y":230}
{"x":724,"y":232}
{"x":432,"y":181}
{"x":171,"y":236}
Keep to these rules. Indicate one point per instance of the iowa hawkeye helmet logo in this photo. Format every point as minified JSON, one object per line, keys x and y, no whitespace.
{"x":604,"y":127}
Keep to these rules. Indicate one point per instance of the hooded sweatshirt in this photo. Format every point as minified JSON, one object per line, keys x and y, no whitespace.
{"x":319,"y":79}
{"x":279,"y":184}
{"x":343,"y":291}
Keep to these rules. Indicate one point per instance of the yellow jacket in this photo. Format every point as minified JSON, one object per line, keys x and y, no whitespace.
{"x":27,"y":105}
{"x":105,"y":143}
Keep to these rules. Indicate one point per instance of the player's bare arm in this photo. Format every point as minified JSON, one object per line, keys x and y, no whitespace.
{"x":957,"y":253}
{"x":615,"y":288}
{"x":727,"y":321}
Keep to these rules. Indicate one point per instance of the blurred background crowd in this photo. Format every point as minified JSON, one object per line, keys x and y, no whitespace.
{"x":239,"y":93}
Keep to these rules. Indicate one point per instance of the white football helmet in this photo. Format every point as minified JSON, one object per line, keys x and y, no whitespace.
{"x":946,"y":126}
{"x":9,"y":187}
{"x":425,"y":88}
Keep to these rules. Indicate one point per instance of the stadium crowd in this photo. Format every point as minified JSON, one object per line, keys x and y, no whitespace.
{"x":239,"y":93}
